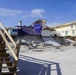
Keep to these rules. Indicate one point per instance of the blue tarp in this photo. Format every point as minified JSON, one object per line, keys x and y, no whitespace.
{"x":38,"y":27}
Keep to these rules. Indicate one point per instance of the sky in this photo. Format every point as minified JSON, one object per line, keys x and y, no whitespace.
{"x":54,"y":11}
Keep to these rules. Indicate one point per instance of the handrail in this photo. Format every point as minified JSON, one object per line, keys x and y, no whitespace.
{"x":8,"y":34}
{"x":14,"y":55}
{"x":7,"y":43}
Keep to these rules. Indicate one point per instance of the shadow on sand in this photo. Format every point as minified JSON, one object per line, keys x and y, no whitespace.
{"x":33,"y":66}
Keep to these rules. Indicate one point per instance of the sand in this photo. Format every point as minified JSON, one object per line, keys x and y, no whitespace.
{"x":47,"y":61}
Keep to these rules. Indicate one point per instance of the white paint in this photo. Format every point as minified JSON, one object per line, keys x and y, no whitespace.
{"x":62,"y":34}
{"x":12,"y":32}
{"x":46,"y":33}
{"x":20,"y":23}
{"x":55,"y":33}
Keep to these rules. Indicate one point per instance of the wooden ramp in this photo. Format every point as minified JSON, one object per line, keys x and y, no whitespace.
{"x":8,"y":61}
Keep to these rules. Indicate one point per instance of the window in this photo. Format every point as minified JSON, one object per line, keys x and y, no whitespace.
{"x":71,"y":25}
{"x":72,"y":31}
{"x":66,"y":32}
{"x":14,"y":30}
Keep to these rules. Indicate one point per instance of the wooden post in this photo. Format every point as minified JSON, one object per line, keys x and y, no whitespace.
{"x":17,"y":50}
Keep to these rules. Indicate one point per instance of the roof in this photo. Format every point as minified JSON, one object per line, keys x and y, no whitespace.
{"x":30,"y":31}
{"x":48,"y":28}
{"x":63,"y":25}
{"x":13,"y":27}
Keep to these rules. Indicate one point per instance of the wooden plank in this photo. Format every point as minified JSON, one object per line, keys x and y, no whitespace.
{"x":4,"y":54}
{"x":8,"y":34}
{"x":9,"y":73}
{"x":7,"y":67}
{"x":5,"y":58}
{"x":8,"y":45}
{"x":17,"y":50}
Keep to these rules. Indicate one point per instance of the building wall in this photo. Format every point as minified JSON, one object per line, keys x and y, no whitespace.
{"x":46,"y":33}
{"x":67,"y":30}
{"x":13,"y":32}
{"x":55,"y":33}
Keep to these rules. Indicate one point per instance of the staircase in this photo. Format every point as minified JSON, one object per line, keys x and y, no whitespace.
{"x":9,"y":56}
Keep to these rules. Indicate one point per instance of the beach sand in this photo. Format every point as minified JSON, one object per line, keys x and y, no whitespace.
{"x":47,"y":61}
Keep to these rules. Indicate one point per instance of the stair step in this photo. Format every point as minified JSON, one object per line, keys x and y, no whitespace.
{"x":7,"y":62}
{"x":3,"y":51}
{"x":4,"y":54}
{"x":8,"y":73}
{"x":2,"y":47}
{"x":7,"y":67}
{"x":5,"y":58}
